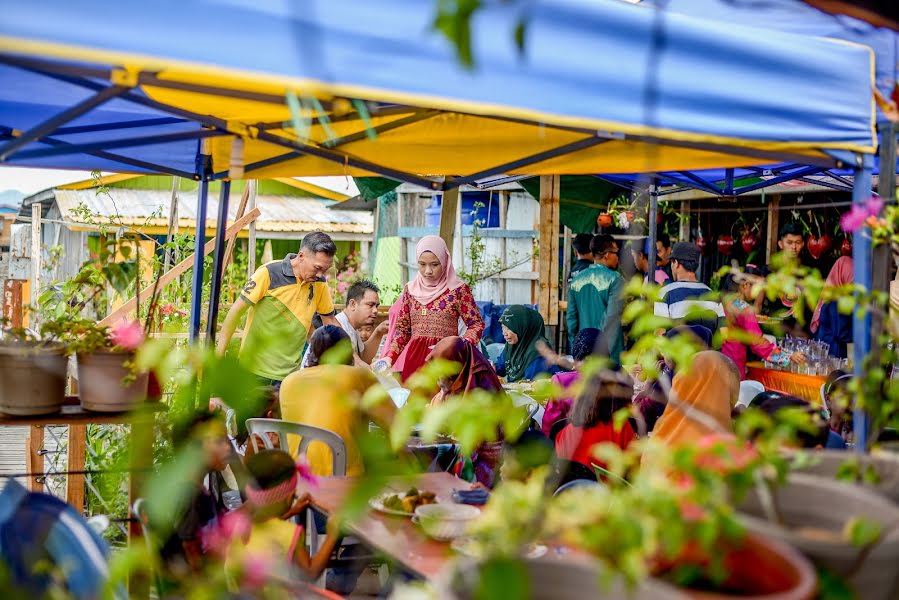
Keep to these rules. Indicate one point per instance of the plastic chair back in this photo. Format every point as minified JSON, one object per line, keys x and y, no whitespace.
{"x":259,"y":428}
{"x":748,"y":391}
{"x":576,"y":484}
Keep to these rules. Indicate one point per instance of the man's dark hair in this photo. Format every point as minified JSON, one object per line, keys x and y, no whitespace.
{"x":772,"y":402}
{"x":790,"y":228}
{"x":664,"y":239}
{"x":581,"y":243}
{"x":318,"y":242}
{"x":325,"y":338}
{"x":690,"y":265}
{"x":601,"y":244}
{"x":358,"y":289}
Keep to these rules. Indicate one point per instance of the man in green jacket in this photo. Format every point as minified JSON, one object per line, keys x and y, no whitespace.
{"x":595,"y":296}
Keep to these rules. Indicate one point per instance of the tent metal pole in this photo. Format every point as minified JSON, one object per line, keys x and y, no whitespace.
{"x":652,"y":233}
{"x":196,"y":301}
{"x":215,"y":290}
{"x":861,"y":325}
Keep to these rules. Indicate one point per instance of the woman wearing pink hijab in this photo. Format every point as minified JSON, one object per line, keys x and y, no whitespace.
{"x":430,"y":307}
{"x":828,"y":324}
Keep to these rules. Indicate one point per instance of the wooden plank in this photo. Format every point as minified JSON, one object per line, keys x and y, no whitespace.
{"x":35,"y":262}
{"x":178,"y":269}
{"x":509,"y":234}
{"x":548,"y":296}
{"x":76,"y":459}
{"x":73,"y":414}
{"x":449,"y":209}
{"x":773,"y":227}
{"x":683,"y":233}
{"x":12,"y":302}
{"x":241,"y":209}
{"x":251,"y":233}
{"x":504,"y":251}
{"x":34,"y":460}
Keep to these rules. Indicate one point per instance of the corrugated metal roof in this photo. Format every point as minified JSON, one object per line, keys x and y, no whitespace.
{"x":136,"y":208}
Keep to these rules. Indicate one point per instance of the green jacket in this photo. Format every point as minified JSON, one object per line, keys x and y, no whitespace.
{"x":595,"y":300}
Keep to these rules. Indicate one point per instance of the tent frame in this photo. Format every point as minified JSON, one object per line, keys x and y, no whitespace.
{"x":122,"y":86}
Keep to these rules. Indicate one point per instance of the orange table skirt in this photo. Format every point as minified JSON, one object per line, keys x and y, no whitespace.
{"x":807,"y":387}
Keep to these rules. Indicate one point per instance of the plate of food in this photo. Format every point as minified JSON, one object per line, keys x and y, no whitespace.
{"x":402,"y":504}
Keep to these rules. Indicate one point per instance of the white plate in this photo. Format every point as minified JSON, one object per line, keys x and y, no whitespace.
{"x":377,"y":503}
{"x":465,"y":546}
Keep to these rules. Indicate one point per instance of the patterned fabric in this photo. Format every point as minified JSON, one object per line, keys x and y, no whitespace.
{"x":741,"y":318}
{"x":437,"y":319}
{"x":687,"y":301}
{"x":280,"y":318}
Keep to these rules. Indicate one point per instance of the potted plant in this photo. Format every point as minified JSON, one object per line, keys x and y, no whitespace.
{"x":877,"y":471}
{"x":107,"y":375}
{"x":32,"y":374}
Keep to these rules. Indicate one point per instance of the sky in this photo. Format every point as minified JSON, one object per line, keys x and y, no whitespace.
{"x":35,"y":180}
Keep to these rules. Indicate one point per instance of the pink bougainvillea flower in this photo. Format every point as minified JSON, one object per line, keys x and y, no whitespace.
{"x":128,"y":335}
{"x":691,"y":511}
{"x":860,"y":214}
{"x":167,"y":309}
{"x":304,"y":470}
{"x":233,"y":526}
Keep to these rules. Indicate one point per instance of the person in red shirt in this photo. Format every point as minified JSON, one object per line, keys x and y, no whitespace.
{"x":591,"y":418}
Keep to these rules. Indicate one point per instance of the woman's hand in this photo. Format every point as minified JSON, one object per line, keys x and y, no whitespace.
{"x":798,"y":358}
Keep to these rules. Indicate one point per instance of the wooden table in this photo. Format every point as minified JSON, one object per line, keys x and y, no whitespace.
{"x":807,"y":387}
{"x":395,"y":537}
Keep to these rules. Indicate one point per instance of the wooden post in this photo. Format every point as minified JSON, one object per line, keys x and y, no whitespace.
{"x":773,"y":227}
{"x":404,"y":250}
{"x":363,"y":254}
{"x":448,"y":215}
{"x":251,"y":239}
{"x":548,"y":297}
{"x":76,"y":459}
{"x":173,"y":225}
{"x":12,"y":302}
{"x":503,"y":208}
{"x":683,"y":234}
{"x":34,"y":460}
{"x":35,"y":264}
{"x":241,"y":209}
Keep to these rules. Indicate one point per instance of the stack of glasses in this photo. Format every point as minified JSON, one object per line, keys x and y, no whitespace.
{"x":817,"y":357}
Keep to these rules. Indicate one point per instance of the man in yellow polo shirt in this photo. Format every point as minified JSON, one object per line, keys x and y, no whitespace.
{"x":282,"y":297}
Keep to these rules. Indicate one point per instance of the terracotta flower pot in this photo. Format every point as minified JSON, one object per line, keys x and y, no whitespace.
{"x":604,"y":220}
{"x":101,"y":378}
{"x":826,"y":463}
{"x":815,"y":510}
{"x":552,"y":578}
{"x":819,"y":246}
{"x":726,"y":244}
{"x":761,"y":568}
{"x":32,"y":378}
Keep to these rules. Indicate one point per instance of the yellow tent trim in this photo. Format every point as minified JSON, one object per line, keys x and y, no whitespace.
{"x":189,"y":72}
{"x":313,"y":189}
{"x":104,"y":180}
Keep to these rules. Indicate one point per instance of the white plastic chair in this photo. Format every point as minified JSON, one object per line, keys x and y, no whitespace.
{"x":260,"y":428}
{"x":749,"y":390}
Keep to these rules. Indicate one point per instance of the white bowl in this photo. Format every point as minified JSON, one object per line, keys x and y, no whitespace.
{"x":445,"y":522}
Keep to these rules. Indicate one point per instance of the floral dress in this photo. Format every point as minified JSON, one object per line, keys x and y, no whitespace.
{"x":421,"y":326}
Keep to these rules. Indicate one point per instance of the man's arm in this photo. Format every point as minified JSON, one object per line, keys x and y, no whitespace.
{"x":371,"y":346}
{"x":232,"y":320}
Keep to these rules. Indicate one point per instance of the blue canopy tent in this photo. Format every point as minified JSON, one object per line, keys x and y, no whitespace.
{"x":224,"y":89}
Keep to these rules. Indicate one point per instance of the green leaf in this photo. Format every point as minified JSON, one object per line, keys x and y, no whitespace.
{"x":503,"y":579}
{"x":861,"y":531}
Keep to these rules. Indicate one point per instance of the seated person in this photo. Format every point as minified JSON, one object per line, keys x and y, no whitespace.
{"x":272,"y":536}
{"x":591,"y":419}
{"x":329,"y":396}
{"x":182,"y":551}
{"x":584,"y":344}
{"x":820,"y":437}
{"x":523,"y":330}
{"x":476,"y":371}
{"x":838,"y":403}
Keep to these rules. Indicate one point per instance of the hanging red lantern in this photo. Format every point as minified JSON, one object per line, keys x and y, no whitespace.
{"x":846,"y":247}
{"x":750,"y":241}
{"x":604,"y":220}
{"x":726,"y":244}
{"x":819,"y":246}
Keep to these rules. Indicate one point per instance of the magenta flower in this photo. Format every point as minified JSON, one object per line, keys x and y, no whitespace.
{"x":304,"y":470}
{"x":128,"y":335}
{"x":167,"y":309}
{"x":859,"y":214}
{"x":218,"y":537}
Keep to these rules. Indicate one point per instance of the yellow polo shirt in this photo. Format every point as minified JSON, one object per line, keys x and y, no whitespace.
{"x":280,"y":318}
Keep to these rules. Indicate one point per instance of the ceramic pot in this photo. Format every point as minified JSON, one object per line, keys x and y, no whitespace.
{"x":100,"y":382}
{"x":815,"y":510}
{"x":604,"y":220}
{"x":32,"y":378}
{"x":555,"y":578}
{"x":881,"y":467}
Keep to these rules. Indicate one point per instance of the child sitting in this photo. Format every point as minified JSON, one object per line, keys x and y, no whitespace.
{"x":590,"y":421}
{"x":272,"y":538}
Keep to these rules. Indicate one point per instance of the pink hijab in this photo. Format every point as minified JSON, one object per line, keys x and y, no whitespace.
{"x":842,"y":273}
{"x":424,"y":292}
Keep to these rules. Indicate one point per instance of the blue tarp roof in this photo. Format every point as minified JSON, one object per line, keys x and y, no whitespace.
{"x":715,"y":92}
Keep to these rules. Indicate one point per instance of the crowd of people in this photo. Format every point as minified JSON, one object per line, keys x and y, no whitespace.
{"x":436,"y":317}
